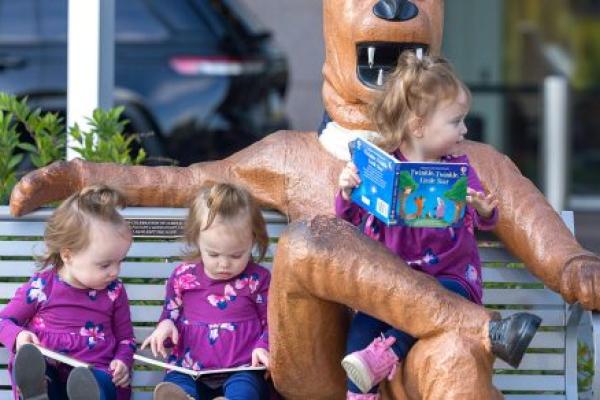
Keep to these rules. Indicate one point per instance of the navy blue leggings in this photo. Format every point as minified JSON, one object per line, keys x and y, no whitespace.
{"x":57,"y":387}
{"x":365,"y":328}
{"x":247,"y":385}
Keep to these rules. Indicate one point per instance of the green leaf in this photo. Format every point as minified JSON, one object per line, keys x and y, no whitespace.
{"x":28,"y":147}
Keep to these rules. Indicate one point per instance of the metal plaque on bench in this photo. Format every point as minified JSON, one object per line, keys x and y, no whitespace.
{"x":156,"y":227}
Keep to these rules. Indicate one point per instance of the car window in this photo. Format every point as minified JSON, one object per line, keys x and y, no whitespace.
{"x":250,"y":22}
{"x":181,"y":16}
{"x":53,"y":22}
{"x":135,"y":22}
{"x":17,"y":20}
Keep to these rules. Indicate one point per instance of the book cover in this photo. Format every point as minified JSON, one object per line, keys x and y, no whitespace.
{"x":418,"y":194}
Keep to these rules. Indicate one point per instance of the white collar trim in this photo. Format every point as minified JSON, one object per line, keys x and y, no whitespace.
{"x":335,"y":139}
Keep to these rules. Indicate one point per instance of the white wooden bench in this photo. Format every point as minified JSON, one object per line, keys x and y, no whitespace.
{"x":548,"y":370}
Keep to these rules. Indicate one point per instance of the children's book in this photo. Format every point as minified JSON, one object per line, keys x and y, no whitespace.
{"x":62,"y":357}
{"x":196,"y":374}
{"x":417,"y":194}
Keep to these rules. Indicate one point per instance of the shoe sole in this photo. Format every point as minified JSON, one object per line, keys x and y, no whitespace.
{"x":169,"y":391}
{"x":357,"y":373}
{"x":527,"y":331}
{"x":30,"y":373}
{"x":82,"y":385}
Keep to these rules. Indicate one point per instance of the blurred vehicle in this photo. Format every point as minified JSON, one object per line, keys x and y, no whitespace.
{"x":203,"y":75}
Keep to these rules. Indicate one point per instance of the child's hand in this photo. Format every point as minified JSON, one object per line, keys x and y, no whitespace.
{"x":120,"y":373}
{"x":166,"y":329}
{"x":25,"y":337}
{"x":348,"y":180}
{"x":260,"y":357}
{"x":484,"y":204}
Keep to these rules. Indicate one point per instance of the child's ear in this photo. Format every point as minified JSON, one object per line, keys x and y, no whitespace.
{"x":65,"y":255}
{"x":415,"y":126}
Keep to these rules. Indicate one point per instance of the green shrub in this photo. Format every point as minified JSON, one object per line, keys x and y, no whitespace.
{"x":41,"y":136}
{"x":9,"y":160}
{"x":106,"y":141}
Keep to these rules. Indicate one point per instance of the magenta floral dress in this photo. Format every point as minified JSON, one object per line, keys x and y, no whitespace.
{"x":93,"y":326}
{"x":440,"y":252}
{"x":220,"y":323}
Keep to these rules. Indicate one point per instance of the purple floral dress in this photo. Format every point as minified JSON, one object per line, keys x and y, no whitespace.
{"x":440,"y":252}
{"x":93,"y":326}
{"x":220,"y":323}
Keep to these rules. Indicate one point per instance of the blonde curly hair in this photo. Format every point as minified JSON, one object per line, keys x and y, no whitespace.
{"x":415,"y":89}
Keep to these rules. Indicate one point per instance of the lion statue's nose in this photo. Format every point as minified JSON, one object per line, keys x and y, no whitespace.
{"x":395,"y":10}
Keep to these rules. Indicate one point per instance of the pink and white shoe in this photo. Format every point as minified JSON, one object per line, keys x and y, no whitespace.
{"x":362,"y":396}
{"x":369,"y":366}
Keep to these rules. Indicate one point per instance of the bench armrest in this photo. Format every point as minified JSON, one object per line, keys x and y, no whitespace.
{"x":595,"y":318}
{"x":574,"y":314}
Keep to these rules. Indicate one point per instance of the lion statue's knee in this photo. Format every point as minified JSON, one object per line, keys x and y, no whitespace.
{"x":449,"y":367}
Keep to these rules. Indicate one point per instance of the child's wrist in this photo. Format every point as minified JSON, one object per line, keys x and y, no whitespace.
{"x":485,"y":214}
{"x":346,"y":193}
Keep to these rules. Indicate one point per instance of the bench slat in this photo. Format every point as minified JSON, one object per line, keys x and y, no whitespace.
{"x":546,"y":383}
{"x":22,"y":228}
{"x":511,"y":275}
{"x":521,"y":296}
{"x":496,"y":255}
{"x":538,"y":362}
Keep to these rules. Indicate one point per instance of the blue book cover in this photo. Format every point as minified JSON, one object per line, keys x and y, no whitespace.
{"x":418,"y":194}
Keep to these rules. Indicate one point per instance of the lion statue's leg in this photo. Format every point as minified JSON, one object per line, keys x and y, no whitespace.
{"x":324,"y":264}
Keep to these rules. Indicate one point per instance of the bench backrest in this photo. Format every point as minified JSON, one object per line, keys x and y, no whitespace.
{"x":508,"y":288}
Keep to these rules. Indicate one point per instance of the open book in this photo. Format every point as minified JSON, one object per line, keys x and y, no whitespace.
{"x":417,"y":194}
{"x":191,"y":372}
{"x":62,"y":357}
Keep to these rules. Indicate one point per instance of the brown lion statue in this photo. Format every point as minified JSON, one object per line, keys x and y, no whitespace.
{"x":323,"y":266}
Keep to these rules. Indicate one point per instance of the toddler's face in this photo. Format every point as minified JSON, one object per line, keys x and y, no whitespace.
{"x":226,"y":247}
{"x":96,"y":266}
{"x":445,"y":128}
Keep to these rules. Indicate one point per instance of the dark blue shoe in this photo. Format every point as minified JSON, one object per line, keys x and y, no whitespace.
{"x":511,"y":336}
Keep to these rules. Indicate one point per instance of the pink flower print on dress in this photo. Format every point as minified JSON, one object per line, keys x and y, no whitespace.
{"x":173,"y":306}
{"x":92,"y":294}
{"x":259,"y":299}
{"x":130,"y":343}
{"x":184,"y":282}
{"x":114,"y":290}
{"x":471,"y":274}
{"x":372,"y":228}
{"x":429,"y":258}
{"x":37,"y":322}
{"x":252,"y":281}
{"x":183,"y":268}
{"x":189,"y":363}
{"x":36,"y":291}
{"x":221,"y":301}
{"x":214,"y":330}
{"x":94,"y":333}
{"x":469,"y":224}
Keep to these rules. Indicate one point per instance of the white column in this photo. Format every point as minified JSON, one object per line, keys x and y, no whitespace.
{"x":90,"y":69}
{"x":555,"y":141}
